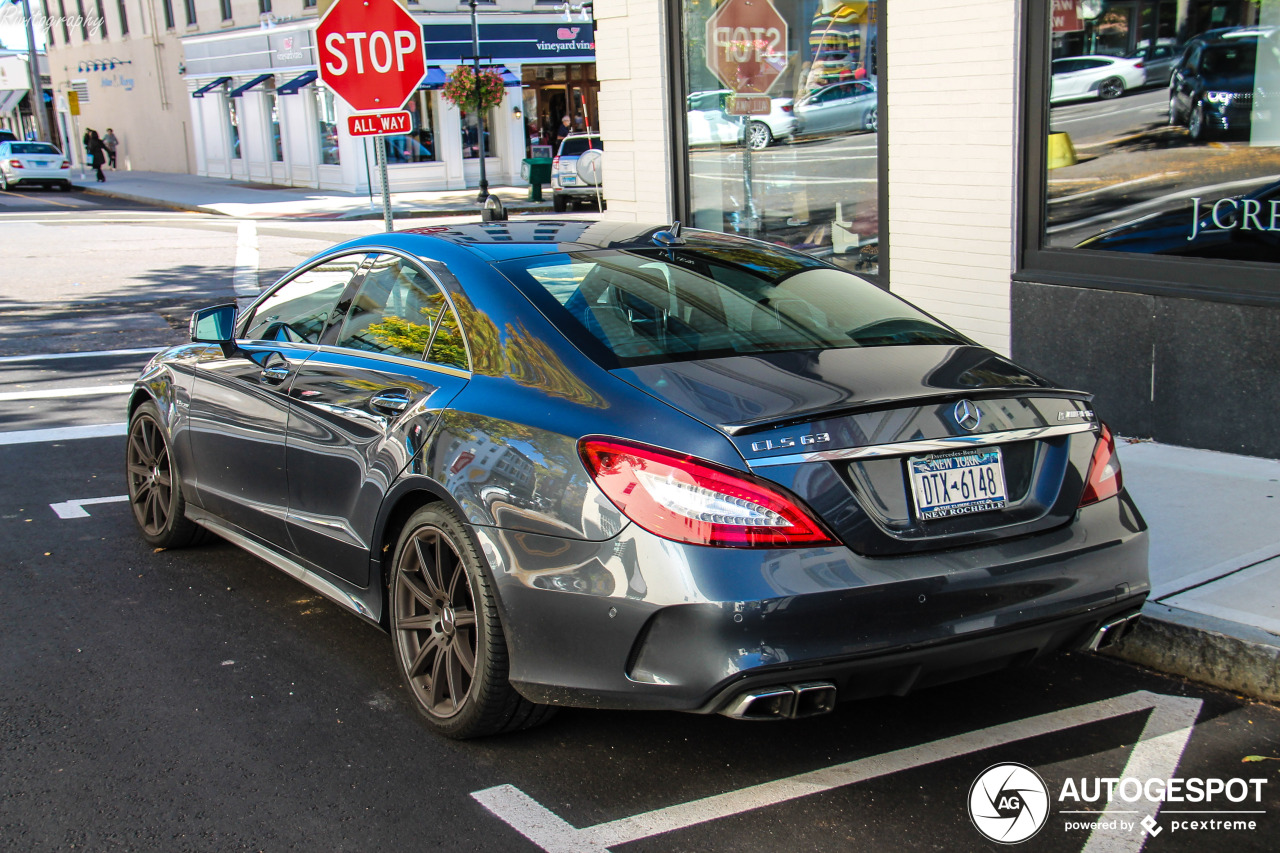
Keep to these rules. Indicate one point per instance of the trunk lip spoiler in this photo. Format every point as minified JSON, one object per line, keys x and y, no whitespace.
{"x":924,"y":445}
{"x":737,"y":428}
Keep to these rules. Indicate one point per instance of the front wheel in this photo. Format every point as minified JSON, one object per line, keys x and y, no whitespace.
{"x":449,"y":643}
{"x":1197,"y":125}
{"x":155,"y":489}
{"x":759,"y":136}
{"x":1174,"y":118}
{"x":1112,"y":87}
{"x":871,"y":122}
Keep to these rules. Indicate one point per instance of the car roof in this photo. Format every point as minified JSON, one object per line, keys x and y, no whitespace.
{"x":501,"y":241}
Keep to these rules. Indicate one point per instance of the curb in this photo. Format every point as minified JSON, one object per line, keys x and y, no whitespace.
{"x":155,"y":202}
{"x":415,"y":213}
{"x":1225,"y":654}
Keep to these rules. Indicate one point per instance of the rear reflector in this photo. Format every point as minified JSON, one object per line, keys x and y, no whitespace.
{"x":1104,"y":470}
{"x":686,"y":499}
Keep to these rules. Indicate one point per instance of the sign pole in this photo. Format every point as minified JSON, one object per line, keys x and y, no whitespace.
{"x":475,"y":56}
{"x":380,"y":146}
{"x":748,"y":177}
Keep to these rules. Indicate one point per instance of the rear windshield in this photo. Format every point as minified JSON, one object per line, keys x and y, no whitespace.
{"x":645,"y":306}
{"x":32,"y":148}
{"x":578,"y":144}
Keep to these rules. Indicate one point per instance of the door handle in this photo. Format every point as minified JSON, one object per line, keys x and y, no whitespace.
{"x":394,"y":402}
{"x":275,"y":373}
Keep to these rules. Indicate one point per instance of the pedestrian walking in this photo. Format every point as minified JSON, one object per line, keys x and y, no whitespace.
{"x":110,"y":142}
{"x":89,"y":134}
{"x":97,"y":154}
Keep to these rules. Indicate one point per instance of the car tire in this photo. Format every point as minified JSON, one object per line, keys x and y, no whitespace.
{"x":444,"y":620}
{"x":871,"y":121}
{"x":1197,"y":126}
{"x":759,"y":136}
{"x":1112,"y":87}
{"x":5,"y":186}
{"x":559,"y":203}
{"x":155,"y":485}
{"x":1174,"y":118}
{"x":66,"y":187}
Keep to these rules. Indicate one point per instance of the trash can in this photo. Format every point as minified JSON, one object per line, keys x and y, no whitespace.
{"x":537,"y":171}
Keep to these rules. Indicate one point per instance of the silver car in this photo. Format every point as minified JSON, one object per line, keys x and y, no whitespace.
{"x":577,"y":171}
{"x":838,"y":108}
{"x":33,"y":163}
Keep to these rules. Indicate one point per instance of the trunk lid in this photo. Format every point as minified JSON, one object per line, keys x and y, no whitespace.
{"x":879,"y":441}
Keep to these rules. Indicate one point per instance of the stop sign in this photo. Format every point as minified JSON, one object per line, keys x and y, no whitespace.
{"x":747,"y":45}
{"x":371,"y":53}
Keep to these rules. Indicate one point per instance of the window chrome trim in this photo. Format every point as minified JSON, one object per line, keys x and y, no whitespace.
{"x":401,"y":360}
{"x":926,"y":445}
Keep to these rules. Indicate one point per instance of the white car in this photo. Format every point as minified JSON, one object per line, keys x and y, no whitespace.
{"x":33,"y":163}
{"x":577,"y":172}
{"x":710,"y":124}
{"x":1079,"y":77}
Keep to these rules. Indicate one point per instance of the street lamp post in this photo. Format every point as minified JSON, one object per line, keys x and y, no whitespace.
{"x":475,"y":58}
{"x":33,"y":67}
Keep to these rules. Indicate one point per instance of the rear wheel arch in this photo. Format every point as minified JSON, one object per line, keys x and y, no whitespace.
{"x":406,"y":498}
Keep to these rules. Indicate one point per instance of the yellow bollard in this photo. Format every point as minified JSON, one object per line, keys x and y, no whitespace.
{"x":1061,"y":151}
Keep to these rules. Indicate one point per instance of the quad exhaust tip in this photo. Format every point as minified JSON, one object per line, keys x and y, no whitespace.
{"x":785,"y":702}
{"x":1112,"y":632}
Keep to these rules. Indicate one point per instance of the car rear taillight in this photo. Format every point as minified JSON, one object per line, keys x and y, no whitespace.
{"x":1137,"y":65}
{"x":555,"y":163}
{"x":65,"y":165}
{"x":686,"y":499}
{"x":1104,"y":470}
{"x":786,"y":108}
{"x":15,"y":164}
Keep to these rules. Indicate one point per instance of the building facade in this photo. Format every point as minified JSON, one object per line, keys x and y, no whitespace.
{"x":1092,"y":187}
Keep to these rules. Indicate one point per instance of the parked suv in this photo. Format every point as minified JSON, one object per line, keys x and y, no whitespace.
{"x":576,"y":172}
{"x":1212,"y":87}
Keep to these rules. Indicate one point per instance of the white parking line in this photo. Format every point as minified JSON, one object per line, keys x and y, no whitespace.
{"x":1132,"y":210}
{"x":1156,"y":755}
{"x":33,"y":436}
{"x":76,"y":508}
{"x":82,"y":391}
{"x":47,"y":356}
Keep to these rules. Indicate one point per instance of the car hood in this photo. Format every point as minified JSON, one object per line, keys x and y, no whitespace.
{"x":742,"y":394}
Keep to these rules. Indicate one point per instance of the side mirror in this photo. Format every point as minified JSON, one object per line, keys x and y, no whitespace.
{"x":216,"y":325}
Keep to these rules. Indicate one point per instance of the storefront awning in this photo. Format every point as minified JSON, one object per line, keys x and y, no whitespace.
{"x":221,"y":81}
{"x":10,"y":98}
{"x":508,"y":78}
{"x":240,"y":90}
{"x":435,"y":79}
{"x":295,"y":85}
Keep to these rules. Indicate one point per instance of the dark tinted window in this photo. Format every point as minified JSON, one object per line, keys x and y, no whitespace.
{"x":650,"y":306}
{"x":1229,"y":59}
{"x":300,"y":309}
{"x":575,"y":145}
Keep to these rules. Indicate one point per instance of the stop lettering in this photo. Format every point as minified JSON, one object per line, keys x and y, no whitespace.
{"x":371,"y":53}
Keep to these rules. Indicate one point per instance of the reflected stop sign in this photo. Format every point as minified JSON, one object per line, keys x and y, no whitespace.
{"x":371,"y":53}
{"x":747,"y":45}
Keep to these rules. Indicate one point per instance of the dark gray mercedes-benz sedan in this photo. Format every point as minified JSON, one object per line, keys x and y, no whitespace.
{"x":596,"y":464}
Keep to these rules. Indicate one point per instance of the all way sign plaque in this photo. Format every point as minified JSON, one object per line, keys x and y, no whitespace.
{"x":380,"y":124}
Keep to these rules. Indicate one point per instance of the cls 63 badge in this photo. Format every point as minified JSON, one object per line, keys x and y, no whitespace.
{"x":784,"y":443}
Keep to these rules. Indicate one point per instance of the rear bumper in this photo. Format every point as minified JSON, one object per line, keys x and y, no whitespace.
{"x":639,"y":622}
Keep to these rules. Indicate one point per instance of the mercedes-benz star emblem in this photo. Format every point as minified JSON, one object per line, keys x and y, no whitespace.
{"x":967,"y":415}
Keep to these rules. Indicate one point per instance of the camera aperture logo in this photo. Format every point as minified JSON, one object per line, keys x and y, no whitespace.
{"x":1008,"y":803}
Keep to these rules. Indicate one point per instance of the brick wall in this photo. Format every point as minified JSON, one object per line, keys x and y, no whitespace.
{"x":952,"y":152}
{"x":634,"y":75}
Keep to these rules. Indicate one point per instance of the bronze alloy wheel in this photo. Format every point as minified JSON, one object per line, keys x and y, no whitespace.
{"x":435,"y":622}
{"x":155,"y":489}
{"x":448,"y":638}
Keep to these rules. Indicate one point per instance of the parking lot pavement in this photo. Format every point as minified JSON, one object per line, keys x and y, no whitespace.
{"x":200,"y":700}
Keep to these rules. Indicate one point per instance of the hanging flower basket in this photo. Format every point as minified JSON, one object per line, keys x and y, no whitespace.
{"x":467,"y":90}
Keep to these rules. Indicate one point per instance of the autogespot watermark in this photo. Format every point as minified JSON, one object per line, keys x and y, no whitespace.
{"x":45,"y":23}
{"x":1010,"y":803}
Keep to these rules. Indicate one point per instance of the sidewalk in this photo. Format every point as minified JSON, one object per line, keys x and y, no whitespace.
{"x":244,"y":200}
{"x":1214,"y":610}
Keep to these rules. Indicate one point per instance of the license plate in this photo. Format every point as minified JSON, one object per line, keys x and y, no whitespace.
{"x":958,"y":483}
{"x":568,"y":179}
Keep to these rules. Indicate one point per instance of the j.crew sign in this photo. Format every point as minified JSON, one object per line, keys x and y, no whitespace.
{"x":1228,"y":214}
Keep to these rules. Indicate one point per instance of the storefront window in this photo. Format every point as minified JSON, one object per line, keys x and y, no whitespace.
{"x":327,"y":121}
{"x":233,"y":126}
{"x":471,"y":134}
{"x":276,"y":146}
{"x":1164,"y":123}
{"x":419,"y":145}
{"x":793,"y":158}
